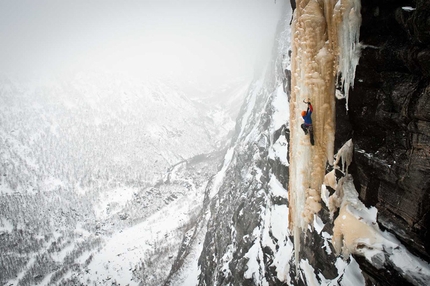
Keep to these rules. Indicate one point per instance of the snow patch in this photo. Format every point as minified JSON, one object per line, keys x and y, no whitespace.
{"x":51,"y":184}
{"x":126,"y":250}
{"x":309,"y":273}
{"x":285,"y":251}
{"x":281,"y":109}
{"x":280,"y":117}
{"x":219,"y":177}
{"x":276,"y":188}
{"x":5,"y":190}
{"x":5,"y":225}
{"x":112,"y":201}
{"x":353,"y":274}
{"x":255,"y":255}
{"x":281,"y":260}
{"x":279,"y":150}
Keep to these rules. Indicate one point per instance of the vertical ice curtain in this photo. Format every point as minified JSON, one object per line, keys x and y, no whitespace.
{"x":325,"y":52}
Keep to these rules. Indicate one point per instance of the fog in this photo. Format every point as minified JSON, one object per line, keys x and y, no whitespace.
{"x":203,"y":39}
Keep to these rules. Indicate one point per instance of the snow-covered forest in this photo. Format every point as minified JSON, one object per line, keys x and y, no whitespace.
{"x":85,"y":158}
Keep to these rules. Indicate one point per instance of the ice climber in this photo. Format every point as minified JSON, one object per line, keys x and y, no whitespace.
{"x":307,"y":126}
{"x":307,"y":117}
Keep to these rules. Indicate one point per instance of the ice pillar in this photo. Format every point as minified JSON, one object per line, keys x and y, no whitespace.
{"x":325,"y":37}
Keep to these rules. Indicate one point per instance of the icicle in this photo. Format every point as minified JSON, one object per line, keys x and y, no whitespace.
{"x":349,"y":48}
{"x":345,"y":154}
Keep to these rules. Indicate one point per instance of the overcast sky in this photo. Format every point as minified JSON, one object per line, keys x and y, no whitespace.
{"x":205,"y":37}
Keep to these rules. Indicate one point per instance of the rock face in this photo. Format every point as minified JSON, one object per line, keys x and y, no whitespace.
{"x":236,"y":210}
{"x":389,"y":112}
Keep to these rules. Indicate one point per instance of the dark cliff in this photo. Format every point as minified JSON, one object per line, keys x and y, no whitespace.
{"x":389,"y":113}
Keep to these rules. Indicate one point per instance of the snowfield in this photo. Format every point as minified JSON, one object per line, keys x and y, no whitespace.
{"x":128,"y":250}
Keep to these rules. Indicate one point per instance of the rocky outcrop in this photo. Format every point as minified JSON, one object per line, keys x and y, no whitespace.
{"x":389,"y":113}
{"x":236,"y":209}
